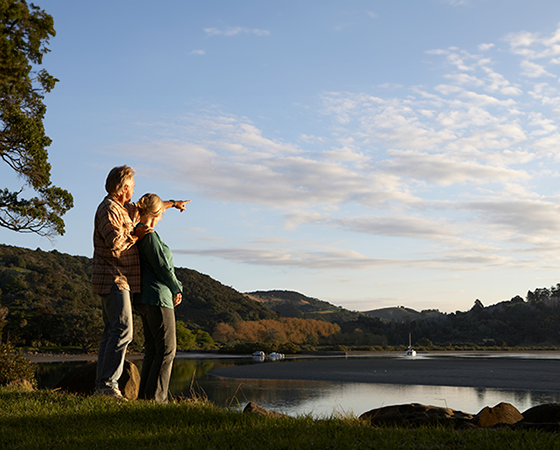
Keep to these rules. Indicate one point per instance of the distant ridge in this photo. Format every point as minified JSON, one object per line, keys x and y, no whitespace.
{"x":294,"y":304}
{"x":402,"y":314}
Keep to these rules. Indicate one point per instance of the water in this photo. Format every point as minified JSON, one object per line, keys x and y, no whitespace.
{"x":321,"y":399}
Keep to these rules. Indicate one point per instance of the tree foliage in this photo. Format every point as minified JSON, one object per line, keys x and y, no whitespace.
{"x":283,"y":330}
{"x":24,"y":32}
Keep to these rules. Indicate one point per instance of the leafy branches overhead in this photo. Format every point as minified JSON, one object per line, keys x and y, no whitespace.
{"x":24,"y":32}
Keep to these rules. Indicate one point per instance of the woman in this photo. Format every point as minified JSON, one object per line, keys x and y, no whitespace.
{"x":161,"y":292}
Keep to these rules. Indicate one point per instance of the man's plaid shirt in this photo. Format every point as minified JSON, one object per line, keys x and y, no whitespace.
{"x":115,"y":257}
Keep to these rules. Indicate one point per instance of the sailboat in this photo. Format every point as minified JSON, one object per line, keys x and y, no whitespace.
{"x":410,"y":351}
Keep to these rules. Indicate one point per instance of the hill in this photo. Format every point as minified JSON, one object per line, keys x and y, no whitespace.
{"x":46,"y":297}
{"x":294,"y":304}
{"x":207,"y":302}
{"x":402,"y":314}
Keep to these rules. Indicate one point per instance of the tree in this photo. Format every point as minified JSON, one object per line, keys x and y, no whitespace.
{"x":24,"y":32}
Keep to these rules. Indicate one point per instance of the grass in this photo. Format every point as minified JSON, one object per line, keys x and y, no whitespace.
{"x":54,"y":420}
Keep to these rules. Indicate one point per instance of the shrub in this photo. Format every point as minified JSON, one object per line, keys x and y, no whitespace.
{"x":186,"y":340}
{"x":14,"y":366}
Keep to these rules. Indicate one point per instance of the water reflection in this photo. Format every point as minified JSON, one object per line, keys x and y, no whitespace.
{"x":326,"y":398}
{"x":319,"y":399}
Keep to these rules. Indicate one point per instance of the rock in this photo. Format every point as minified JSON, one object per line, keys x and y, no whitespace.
{"x":81,"y":380}
{"x":416,"y":414}
{"x":503,"y":413}
{"x":542,"y":417}
{"x":253,"y":408}
{"x":129,"y":382}
{"x":549,"y":413}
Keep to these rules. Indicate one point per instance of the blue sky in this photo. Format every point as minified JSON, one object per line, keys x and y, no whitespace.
{"x":367,"y":153}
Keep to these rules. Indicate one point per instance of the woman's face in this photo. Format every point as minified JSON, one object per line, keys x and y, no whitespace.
{"x":157,"y":218}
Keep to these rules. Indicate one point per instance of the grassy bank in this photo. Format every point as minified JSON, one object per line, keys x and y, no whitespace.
{"x":47,"y":419}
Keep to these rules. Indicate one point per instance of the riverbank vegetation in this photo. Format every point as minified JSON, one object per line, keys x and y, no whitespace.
{"x":49,"y":419}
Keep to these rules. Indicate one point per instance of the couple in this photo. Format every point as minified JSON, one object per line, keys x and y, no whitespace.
{"x":131,"y":259}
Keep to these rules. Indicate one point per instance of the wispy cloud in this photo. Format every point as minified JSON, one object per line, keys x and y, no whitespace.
{"x":533,"y":70}
{"x":485,"y":47}
{"x":455,"y":2}
{"x":328,"y":259}
{"x":234,"y":31}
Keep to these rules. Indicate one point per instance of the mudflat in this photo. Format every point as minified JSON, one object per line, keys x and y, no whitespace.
{"x":492,"y":373}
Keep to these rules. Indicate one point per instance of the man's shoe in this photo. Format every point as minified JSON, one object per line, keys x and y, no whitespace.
{"x":110,"y":392}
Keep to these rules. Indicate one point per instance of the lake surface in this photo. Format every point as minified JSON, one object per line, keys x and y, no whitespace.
{"x":322,"y":399}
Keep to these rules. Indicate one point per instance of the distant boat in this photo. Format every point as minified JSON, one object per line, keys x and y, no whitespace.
{"x":275,"y":356}
{"x":410,"y":351}
{"x":260,"y":356}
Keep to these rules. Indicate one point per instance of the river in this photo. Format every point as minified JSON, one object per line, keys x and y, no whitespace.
{"x":322,"y":398}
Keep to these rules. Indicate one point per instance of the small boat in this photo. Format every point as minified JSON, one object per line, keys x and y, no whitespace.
{"x":275,"y":356}
{"x":410,"y":351}
{"x":259,"y":356}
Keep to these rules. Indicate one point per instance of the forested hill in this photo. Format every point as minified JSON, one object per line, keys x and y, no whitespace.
{"x":46,"y":297}
{"x":207,"y":302}
{"x":49,"y":298}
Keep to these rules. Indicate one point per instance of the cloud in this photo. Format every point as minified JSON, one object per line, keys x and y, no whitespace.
{"x":459,"y":165}
{"x":455,"y":2}
{"x":445,"y":170}
{"x":348,"y":260}
{"x":198,"y":52}
{"x":230,"y":159}
{"x":520,"y":220}
{"x":533,"y":70}
{"x":485,"y":47}
{"x":398,"y":226}
{"x":328,"y":259}
{"x":234,"y":31}
{"x":533,"y":46}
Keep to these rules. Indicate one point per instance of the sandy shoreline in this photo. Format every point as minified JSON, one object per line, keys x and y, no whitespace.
{"x":492,"y":373}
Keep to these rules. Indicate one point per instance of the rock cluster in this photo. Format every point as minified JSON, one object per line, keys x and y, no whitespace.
{"x":504,"y":414}
{"x":544,"y":417}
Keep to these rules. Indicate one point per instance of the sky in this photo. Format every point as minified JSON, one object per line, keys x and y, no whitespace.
{"x":366,"y":153}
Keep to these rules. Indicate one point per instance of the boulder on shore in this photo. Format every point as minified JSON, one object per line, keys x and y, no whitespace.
{"x":415,"y":414}
{"x":503,"y":413}
{"x":81,"y":380}
{"x":253,"y":408}
{"x":543,"y":417}
{"x":549,"y":413}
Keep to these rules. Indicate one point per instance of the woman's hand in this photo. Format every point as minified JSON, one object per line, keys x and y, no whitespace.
{"x":177,"y":298}
{"x":142,"y":231}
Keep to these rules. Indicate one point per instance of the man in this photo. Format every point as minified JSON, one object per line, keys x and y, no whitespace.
{"x":116,"y":273}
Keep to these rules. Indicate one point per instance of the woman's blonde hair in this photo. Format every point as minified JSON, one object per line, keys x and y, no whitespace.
{"x":118,"y":178}
{"x":150,"y":205}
